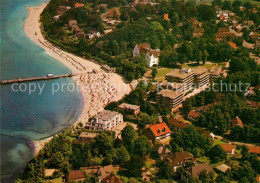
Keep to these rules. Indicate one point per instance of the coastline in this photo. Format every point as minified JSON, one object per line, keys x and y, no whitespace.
{"x":97,"y":90}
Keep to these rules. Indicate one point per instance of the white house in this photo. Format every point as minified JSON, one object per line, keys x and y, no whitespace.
{"x":152,"y":56}
{"x":106,"y":120}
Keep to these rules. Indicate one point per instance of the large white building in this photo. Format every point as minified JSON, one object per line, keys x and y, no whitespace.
{"x":105,"y":120}
{"x":152,"y":56}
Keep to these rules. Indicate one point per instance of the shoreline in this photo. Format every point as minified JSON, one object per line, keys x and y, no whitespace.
{"x":96,"y":90}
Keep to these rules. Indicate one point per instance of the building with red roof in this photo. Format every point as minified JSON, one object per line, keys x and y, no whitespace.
{"x":232,"y":44}
{"x":78,"y":5}
{"x":76,"y":176}
{"x":193,"y":115}
{"x":236,"y":122}
{"x":254,"y":150}
{"x":157,"y":132}
{"x":229,"y":148}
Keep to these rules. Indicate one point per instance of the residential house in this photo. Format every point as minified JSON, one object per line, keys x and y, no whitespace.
{"x":104,"y":172}
{"x":72,"y":22}
{"x":208,"y":134}
{"x":180,"y":159}
{"x":166,"y":16}
{"x":193,"y":115}
{"x":201,"y":76}
{"x":236,"y":122}
{"x":198,"y":32}
{"x":56,"y":18}
{"x":253,"y":104}
{"x":158,"y":132}
{"x":184,"y":75}
{"x":170,"y":99}
{"x":133,"y":109}
{"x":254,"y":35}
{"x":78,"y":5}
{"x":177,"y":124}
{"x":223,"y":168}
{"x":215,"y":72}
{"x":196,"y":170}
{"x":111,"y":179}
{"x":250,"y":92}
{"x":223,"y":33}
{"x":152,"y":56}
{"x":105,"y":120}
{"x":87,"y":136}
{"x":62,"y":9}
{"x":205,"y":107}
{"x":114,"y":13}
{"x":254,"y":150}
{"x":76,"y":176}
{"x":49,"y":172}
{"x":232,"y":44}
{"x":163,"y":152}
{"x":229,"y":148}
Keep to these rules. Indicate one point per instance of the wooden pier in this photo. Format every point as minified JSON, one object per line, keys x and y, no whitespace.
{"x":20,"y":80}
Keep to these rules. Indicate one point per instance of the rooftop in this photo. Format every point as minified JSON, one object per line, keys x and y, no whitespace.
{"x":159,"y":129}
{"x":197,"y":169}
{"x":129,"y":106}
{"x":77,"y":174}
{"x":180,"y":73}
{"x":199,"y":70}
{"x":228,"y":147}
{"x":254,"y":149}
{"x":223,"y":167}
{"x":106,"y":115}
{"x":180,"y":158}
{"x":169,"y":93}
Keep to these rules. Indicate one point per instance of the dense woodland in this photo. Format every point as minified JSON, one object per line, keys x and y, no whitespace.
{"x":115,"y":48}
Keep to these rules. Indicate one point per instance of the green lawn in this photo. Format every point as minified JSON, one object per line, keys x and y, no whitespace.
{"x":216,"y":142}
{"x":161,"y":72}
{"x":203,"y":159}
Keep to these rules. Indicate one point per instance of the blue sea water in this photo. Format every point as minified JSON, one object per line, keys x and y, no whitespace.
{"x":22,"y":114}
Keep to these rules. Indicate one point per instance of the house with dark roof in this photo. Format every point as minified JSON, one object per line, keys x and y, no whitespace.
{"x":193,"y":115}
{"x":177,"y":124}
{"x":236,"y":122}
{"x":196,"y":170}
{"x":152,"y":56}
{"x":163,"y":152}
{"x":180,"y":159}
{"x":229,"y":148}
{"x":157,"y":132}
{"x":104,"y":172}
{"x":112,"y":179}
{"x":87,"y":136}
{"x":76,"y":176}
{"x":130,"y":108}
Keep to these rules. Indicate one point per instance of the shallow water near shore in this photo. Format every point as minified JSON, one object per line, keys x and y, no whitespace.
{"x":24,"y":115}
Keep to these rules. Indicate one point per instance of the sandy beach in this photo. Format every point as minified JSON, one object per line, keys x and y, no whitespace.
{"x":97,"y":90}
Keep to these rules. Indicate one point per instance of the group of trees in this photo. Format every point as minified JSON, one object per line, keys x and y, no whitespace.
{"x":64,"y":154}
{"x":149,"y":112}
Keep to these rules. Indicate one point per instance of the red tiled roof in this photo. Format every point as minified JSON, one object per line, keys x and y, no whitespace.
{"x":77,"y":174}
{"x":254,"y":149}
{"x":194,"y":114}
{"x":159,"y":129}
{"x":237,"y":122}
{"x":228,"y":147}
{"x":112,"y":179}
{"x":78,"y":5}
{"x":232,"y":44}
